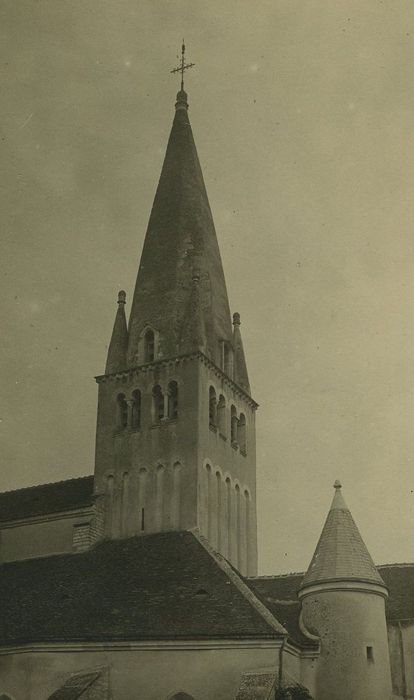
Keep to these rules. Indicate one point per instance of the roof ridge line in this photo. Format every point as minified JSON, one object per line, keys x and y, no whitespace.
{"x":244,"y":589}
{"x":396,"y":563}
{"x":273,"y":576}
{"x":48,"y":483}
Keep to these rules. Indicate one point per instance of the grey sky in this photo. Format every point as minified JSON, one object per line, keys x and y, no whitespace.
{"x":303,"y":118}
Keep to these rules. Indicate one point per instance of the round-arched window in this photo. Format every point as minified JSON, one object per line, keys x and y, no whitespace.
{"x":122,"y":414}
{"x":149,"y":348}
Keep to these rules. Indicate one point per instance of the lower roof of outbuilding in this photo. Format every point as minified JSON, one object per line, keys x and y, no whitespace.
{"x":43,"y":499}
{"x":280,"y":595}
{"x":399,"y":579}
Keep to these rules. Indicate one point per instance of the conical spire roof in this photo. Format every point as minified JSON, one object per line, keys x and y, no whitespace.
{"x":117,"y":351}
{"x":180,"y":232}
{"x":341,"y":553}
{"x":193,"y":336}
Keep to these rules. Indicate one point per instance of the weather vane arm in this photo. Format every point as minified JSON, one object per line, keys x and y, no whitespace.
{"x":183,"y":65}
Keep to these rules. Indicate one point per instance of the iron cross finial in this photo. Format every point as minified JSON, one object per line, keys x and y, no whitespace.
{"x":183,"y":65}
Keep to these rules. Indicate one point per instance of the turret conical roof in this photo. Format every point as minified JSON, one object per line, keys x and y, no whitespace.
{"x":341,"y":553}
{"x":180,"y":236}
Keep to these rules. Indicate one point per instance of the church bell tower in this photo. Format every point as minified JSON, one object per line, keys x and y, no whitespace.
{"x":175,"y":442}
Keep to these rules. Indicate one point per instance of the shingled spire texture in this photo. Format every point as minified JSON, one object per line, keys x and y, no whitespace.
{"x":341,"y":552}
{"x":193,"y":335}
{"x":180,"y":238}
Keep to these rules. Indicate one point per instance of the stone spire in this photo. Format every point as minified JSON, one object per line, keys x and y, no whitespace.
{"x":180,"y":230}
{"x":117,"y":351}
{"x":341,"y":554}
{"x":193,"y":333}
{"x":240,"y":369}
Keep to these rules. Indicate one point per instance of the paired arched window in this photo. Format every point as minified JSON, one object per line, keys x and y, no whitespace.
{"x":217,"y":417}
{"x":122,"y":411}
{"x":165,"y":406}
{"x":221,"y":415}
{"x":234,"y":425}
{"x":129,"y":411}
{"x":158,"y":403}
{"x":241,"y":433}
{"x":172,"y":400}
{"x":212,"y":407}
{"x":149,"y":345}
{"x":136,"y":409}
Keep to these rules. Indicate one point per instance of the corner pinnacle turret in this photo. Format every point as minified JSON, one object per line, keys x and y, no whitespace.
{"x":118,"y":346}
{"x":240,"y":369}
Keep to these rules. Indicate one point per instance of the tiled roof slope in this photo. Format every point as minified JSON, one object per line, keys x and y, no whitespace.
{"x":276,"y":591}
{"x":399,"y":579}
{"x":341,"y":552}
{"x":162,"y":586}
{"x":284,"y":586}
{"x":279,"y":594}
{"x":75,"y":686}
{"x":46,"y":498}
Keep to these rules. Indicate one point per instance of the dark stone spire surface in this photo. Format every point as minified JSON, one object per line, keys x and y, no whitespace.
{"x":193,"y":335}
{"x":118,"y":347}
{"x":180,"y":235}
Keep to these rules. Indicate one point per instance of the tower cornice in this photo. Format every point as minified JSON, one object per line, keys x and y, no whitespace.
{"x":178,"y":359}
{"x":343,"y":584}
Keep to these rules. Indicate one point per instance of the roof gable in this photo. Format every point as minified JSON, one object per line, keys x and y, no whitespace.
{"x":163,"y":586}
